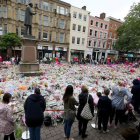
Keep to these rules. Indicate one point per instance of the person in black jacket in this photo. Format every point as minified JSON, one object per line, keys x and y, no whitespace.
{"x":136,"y":95}
{"x":34,"y":113}
{"x":82,"y":102}
{"x":104,"y":111}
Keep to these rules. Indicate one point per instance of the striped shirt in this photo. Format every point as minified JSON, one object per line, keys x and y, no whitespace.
{"x":118,"y":97}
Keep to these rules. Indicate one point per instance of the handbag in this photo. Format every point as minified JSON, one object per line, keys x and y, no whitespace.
{"x":86,"y":112}
{"x":70,"y":114}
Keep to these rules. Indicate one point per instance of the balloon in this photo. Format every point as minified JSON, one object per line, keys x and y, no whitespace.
{"x":0,"y":58}
{"x":75,"y":58}
{"x":56,"y":58}
{"x":108,"y":59}
{"x":130,"y":64}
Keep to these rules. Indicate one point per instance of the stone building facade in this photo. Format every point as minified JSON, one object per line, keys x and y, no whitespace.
{"x":51,"y":25}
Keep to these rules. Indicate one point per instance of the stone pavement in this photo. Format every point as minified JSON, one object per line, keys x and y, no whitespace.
{"x":57,"y":133}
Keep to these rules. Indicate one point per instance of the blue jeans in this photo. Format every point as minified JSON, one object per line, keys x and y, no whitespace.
{"x":34,"y":133}
{"x":67,"y":127}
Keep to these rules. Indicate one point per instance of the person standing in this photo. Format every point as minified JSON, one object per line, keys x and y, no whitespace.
{"x":8,"y":58}
{"x":6,"y":118}
{"x":17,"y":60}
{"x":82,"y":102}
{"x":104,"y":110}
{"x":34,"y":113}
{"x":118,"y":103}
{"x":136,"y":95}
{"x":69,"y":104}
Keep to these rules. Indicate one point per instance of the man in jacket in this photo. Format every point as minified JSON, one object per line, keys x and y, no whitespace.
{"x":34,"y":113}
{"x":136,"y":95}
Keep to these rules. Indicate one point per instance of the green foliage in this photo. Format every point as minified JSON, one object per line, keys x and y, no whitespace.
{"x":10,"y":40}
{"x":129,"y":31}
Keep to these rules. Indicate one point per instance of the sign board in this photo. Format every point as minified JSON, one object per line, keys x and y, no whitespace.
{"x":39,"y":47}
{"x":65,"y":49}
{"x":130,"y":55}
{"x":45,"y":47}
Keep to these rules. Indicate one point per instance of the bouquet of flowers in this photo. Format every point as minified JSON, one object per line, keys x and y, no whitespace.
{"x":18,"y":130}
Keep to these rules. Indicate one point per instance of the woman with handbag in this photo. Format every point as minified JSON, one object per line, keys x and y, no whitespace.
{"x":70,"y":111}
{"x":118,"y":94}
{"x":85,"y":106}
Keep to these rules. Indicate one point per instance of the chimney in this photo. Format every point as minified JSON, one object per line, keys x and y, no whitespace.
{"x":102,"y":15}
{"x":84,"y":7}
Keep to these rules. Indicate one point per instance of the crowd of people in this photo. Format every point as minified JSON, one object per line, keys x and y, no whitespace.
{"x":15,"y":60}
{"x":35,"y":106}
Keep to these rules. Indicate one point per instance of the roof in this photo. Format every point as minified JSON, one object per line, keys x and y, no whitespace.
{"x":115,"y":19}
{"x":62,"y":2}
{"x":99,"y":18}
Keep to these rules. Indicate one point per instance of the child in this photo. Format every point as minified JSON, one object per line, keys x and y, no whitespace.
{"x":104,"y":110}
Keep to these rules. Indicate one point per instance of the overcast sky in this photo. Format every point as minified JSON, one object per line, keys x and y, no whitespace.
{"x":115,"y":8}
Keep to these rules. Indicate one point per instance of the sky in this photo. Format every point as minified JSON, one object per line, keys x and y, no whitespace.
{"x":114,"y":8}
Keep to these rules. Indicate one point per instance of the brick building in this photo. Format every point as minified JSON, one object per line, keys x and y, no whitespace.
{"x":51,"y":25}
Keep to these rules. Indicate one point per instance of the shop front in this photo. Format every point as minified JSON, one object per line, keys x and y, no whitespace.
{"x":89,"y":51}
{"x":77,"y":53}
{"x":112,"y":54}
{"x":61,"y":53}
{"x":98,"y":54}
{"x":45,"y":51}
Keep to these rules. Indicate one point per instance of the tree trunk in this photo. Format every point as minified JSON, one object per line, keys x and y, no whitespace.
{"x":9,"y":52}
{"x":14,"y":51}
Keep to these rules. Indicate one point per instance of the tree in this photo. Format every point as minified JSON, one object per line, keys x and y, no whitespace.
{"x":10,"y":40}
{"x":129,"y":32}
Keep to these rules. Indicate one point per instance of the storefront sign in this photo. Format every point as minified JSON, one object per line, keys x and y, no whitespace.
{"x":50,"y":48}
{"x":114,"y":52}
{"x":45,"y":47}
{"x":60,"y":49}
{"x":39,"y":47}
{"x":65,"y":49}
{"x":130,"y":55}
{"x":89,"y":49}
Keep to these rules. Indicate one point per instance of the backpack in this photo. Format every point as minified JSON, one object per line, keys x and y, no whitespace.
{"x":47,"y":121}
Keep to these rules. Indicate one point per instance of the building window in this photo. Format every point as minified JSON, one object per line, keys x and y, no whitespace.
{"x":39,"y":35}
{"x":65,"y":38}
{"x":57,"y":23}
{"x":39,"y":19}
{"x":94,"y":43}
{"x":85,"y":18}
{"x":114,"y":35}
{"x":97,"y":24}
{"x":89,"y":43}
{"x":22,"y":15}
{"x":57,"y":9}
{"x":45,"y":5}
{"x":0,"y":30}
{"x":40,"y":4}
{"x":16,"y":14}
{"x":91,"y":32}
{"x":17,"y":30}
{"x":62,"y":24}
{"x":109,"y":45}
{"x":73,"y":40}
{"x":0,"y":11}
{"x":101,"y":34}
{"x":78,"y":40}
{"x":106,"y":27}
{"x":105,"y":34}
{"x":79,"y":28}
{"x":66,"y":11}
{"x":16,"y":0}
{"x":45,"y":20}
{"x":29,"y":1}
{"x":111,"y":25}
{"x":4,"y":11}
{"x":91,"y":22}
{"x":22,"y":31}
{"x":104,"y":44}
{"x":74,"y":14}
{"x":61,"y":40}
{"x":83,"y":41}
{"x":101,"y":25}
{"x":66,"y":25}
{"x":45,"y":35}
{"x":110,"y":34}
{"x":96,"y":33}
{"x":84,"y":29}
{"x":50,"y":37}
{"x":99,"y":45}
{"x":74,"y":27}
{"x":56,"y":37}
{"x":23,"y":1}
{"x":62,"y":10}
{"x":51,"y":7}
{"x":51,"y":21}
{"x":115,"y":27}
{"x":80,"y":16}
